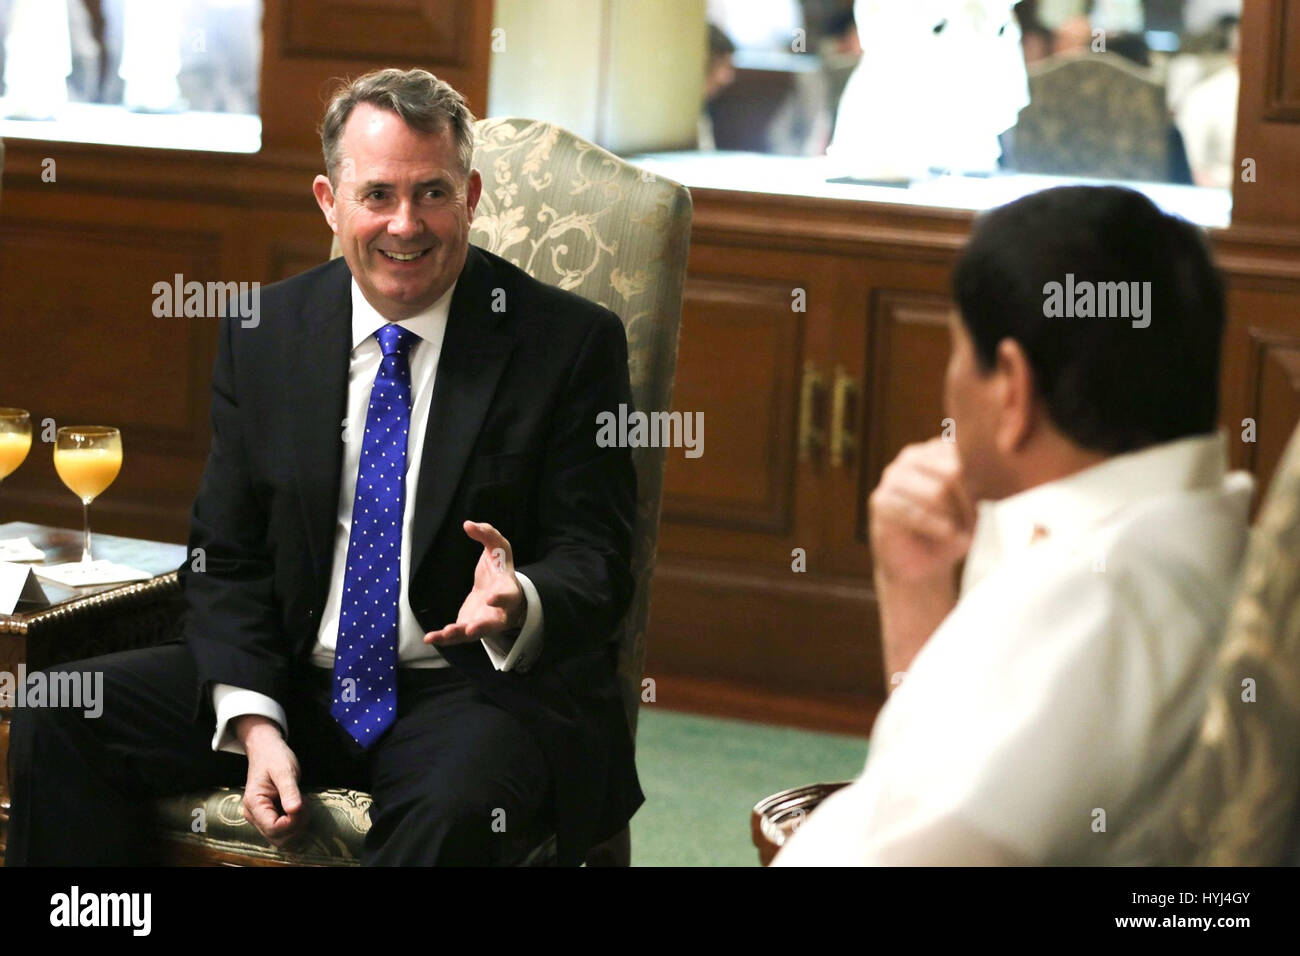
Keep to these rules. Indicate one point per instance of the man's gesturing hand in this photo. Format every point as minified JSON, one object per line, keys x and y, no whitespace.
{"x":496,"y":603}
{"x":272,"y":802}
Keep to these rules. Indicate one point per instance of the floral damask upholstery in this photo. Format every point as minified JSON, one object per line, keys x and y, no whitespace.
{"x":1236,"y":799}
{"x":576,"y":216}
{"x":571,"y":214}
{"x":1095,"y":115}
{"x":337,"y":823}
{"x":212,"y":821}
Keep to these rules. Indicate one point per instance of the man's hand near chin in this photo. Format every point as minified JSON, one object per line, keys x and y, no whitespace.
{"x":272,"y":802}
{"x":921,"y":523}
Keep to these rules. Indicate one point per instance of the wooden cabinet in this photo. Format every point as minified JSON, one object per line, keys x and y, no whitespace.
{"x":814,"y":356}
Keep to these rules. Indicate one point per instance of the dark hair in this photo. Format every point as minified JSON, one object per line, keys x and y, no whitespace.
{"x":719,"y":43}
{"x":423,"y":101}
{"x":1108,"y":386}
{"x":840,"y":22}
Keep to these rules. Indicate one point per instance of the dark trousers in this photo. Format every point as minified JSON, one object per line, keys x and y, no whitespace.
{"x":451,"y":766}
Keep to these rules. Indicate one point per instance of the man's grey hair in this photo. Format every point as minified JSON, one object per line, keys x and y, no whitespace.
{"x":423,"y":101}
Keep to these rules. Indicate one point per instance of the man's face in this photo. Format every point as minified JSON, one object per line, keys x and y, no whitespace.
{"x":970,"y":400}
{"x":401,"y":210}
{"x":721,"y":73}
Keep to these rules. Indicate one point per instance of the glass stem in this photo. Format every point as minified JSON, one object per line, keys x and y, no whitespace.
{"x":85,"y":514}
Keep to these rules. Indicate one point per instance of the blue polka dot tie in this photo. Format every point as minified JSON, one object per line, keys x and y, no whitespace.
{"x":365,"y":658}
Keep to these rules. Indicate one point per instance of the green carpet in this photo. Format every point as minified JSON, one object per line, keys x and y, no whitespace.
{"x":702,"y":776}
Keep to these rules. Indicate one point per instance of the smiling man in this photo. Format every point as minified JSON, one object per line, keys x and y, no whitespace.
{"x":400,"y":195}
{"x":416,"y":552}
{"x":1038,"y":707}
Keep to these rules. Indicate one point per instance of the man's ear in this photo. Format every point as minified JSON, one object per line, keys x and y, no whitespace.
{"x":324,"y":193}
{"x":473,"y":189}
{"x":1017,"y":401}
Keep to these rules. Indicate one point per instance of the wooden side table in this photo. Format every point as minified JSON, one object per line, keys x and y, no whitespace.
{"x":89,"y":621}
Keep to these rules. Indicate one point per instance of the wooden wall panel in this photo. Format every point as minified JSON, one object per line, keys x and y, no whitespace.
{"x":1282,"y":92}
{"x":307,"y":43}
{"x":909,"y":355}
{"x":1277,"y":399}
{"x":78,"y":269}
{"x":1268,"y":115}
{"x":741,"y":373}
{"x":108,"y":273}
{"x":436,"y":32}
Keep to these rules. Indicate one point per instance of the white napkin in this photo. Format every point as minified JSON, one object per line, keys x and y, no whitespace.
{"x":77,"y":574}
{"x":20,"y":549}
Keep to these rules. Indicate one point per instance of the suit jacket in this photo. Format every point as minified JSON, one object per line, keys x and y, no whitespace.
{"x":510,"y":440}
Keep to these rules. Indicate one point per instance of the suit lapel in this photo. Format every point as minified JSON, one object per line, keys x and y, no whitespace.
{"x":475,"y":350}
{"x":316,"y":367}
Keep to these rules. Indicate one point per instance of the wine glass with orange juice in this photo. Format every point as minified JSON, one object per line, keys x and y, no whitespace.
{"x":15,"y":439}
{"x":87,"y":458}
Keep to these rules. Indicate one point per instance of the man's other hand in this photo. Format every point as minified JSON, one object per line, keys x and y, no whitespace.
{"x":921,"y":518}
{"x":922,"y":523}
{"x":496,"y":603}
{"x":272,"y":802}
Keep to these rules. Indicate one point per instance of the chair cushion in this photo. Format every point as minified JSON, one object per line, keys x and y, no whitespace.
{"x":337,"y":823}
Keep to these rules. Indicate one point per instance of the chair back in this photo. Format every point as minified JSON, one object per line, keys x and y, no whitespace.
{"x":1236,"y":798}
{"x":1095,"y":115}
{"x":576,"y":216}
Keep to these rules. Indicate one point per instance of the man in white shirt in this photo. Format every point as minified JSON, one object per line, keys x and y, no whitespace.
{"x":1039,"y":706}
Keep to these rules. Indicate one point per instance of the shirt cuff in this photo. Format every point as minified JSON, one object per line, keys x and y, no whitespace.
{"x":519,"y":652}
{"x":230,"y":702}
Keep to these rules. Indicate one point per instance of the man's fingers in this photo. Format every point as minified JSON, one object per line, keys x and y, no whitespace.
{"x":485,"y":534}
{"x":915,"y":517}
{"x":260,"y":811}
{"x":287,"y":786}
{"x":930,"y":476}
{"x":923,"y":495}
{"x":451,"y":634}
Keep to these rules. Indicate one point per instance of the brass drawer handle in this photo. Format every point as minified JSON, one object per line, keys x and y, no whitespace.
{"x":844,"y":443}
{"x":812,"y":439}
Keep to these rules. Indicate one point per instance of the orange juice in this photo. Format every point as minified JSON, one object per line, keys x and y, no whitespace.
{"x":87,"y":471}
{"x":13,"y":449}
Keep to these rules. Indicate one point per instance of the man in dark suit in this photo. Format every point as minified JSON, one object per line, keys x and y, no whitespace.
{"x":411,"y":551}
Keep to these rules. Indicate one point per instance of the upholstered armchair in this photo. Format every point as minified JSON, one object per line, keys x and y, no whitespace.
{"x":1236,"y":799}
{"x":571,"y":214}
{"x":1093,"y":114}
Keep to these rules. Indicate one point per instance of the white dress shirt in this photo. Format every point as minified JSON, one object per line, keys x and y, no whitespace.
{"x":1056,"y":698}
{"x":505,"y":653}
{"x":1207,"y":118}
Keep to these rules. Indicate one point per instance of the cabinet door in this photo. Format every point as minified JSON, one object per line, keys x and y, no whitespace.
{"x":886,"y":392}
{"x":747,"y":321}
{"x":732,"y":602}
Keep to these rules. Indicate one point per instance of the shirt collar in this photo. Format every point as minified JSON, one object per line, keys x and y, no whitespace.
{"x":1066,"y":509}
{"x":428,"y":325}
